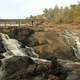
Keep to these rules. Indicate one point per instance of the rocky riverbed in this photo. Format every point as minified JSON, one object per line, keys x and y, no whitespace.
{"x":20,"y":62}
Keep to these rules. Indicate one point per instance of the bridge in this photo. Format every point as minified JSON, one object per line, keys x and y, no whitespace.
{"x":4,"y":23}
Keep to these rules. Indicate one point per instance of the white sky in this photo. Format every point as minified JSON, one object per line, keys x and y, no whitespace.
{"x":24,"y":8}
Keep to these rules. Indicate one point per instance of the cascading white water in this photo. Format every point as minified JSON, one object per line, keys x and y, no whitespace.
{"x":76,"y":48}
{"x":72,"y":37}
{"x":14,"y":47}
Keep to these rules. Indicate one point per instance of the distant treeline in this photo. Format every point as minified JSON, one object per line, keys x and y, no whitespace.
{"x":69,"y":14}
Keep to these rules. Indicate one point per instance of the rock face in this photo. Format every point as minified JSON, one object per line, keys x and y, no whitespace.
{"x":74,"y":76}
{"x":24,"y":68}
{"x":15,"y":48}
{"x":46,"y":43}
{"x":12,"y":68}
{"x":20,"y":64}
{"x":74,"y":41}
{"x":51,"y":43}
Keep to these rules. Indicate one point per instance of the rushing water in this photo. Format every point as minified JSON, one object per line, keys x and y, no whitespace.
{"x":14,"y":47}
{"x":74,"y":41}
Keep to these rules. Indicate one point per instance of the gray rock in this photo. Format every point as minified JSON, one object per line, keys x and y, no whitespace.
{"x":14,"y":67}
{"x":74,"y":75}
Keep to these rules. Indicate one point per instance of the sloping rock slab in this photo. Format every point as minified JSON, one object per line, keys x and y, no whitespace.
{"x":14,"y":67}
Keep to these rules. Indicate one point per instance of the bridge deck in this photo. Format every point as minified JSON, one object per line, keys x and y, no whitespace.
{"x":19,"y":22}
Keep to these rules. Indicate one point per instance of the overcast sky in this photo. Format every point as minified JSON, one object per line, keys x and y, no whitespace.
{"x":23,"y":8}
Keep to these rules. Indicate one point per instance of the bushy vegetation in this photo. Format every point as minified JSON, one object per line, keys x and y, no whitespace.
{"x":69,"y":14}
{"x":64,"y":15}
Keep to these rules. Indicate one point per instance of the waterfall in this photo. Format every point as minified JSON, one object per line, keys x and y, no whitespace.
{"x":13,"y":47}
{"x":76,"y":48}
{"x":73,"y":41}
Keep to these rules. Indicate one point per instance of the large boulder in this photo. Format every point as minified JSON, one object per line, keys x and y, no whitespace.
{"x":45,"y":43}
{"x":15,"y":68}
{"x":24,"y":68}
{"x":51,"y":43}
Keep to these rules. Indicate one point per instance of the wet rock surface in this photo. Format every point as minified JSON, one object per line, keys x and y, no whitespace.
{"x":46,"y":43}
{"x":74,"y":75}
{"x":23,"y":68}
{"x":26,"y":67}
{"x":18,"y":64}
